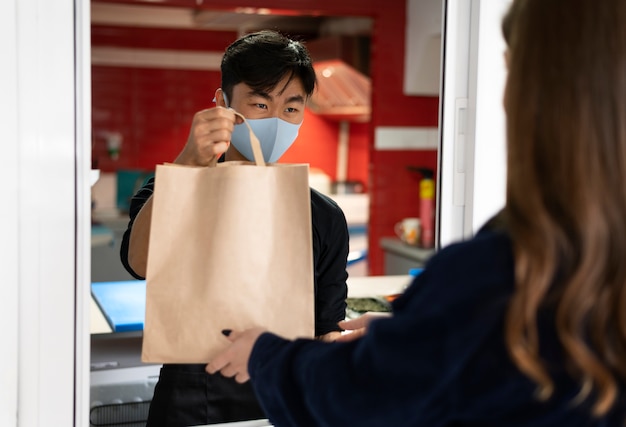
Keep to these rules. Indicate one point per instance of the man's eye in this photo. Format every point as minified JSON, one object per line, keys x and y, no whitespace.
{"x":291,"y":110}
{"x":262,"y":106}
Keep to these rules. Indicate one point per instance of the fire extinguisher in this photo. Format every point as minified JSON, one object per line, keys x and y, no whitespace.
{"x":426,"y":206}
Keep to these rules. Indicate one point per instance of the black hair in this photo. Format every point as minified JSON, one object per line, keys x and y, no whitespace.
{"x":262,"y":59}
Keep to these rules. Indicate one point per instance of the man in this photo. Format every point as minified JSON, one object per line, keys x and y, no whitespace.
{"x":268,"y":78}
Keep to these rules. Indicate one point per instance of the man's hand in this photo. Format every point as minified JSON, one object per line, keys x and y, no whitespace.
{"x":329,"y":337}
{"x":359,"y":325}
{"x":209,"y":137}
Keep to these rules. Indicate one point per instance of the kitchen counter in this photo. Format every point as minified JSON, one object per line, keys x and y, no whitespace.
{"x":98,"y":323}
{"x":116,"y":367}
{"x":375,"y":286}
{"x":122,"y":300}
{"x":401,"y":257}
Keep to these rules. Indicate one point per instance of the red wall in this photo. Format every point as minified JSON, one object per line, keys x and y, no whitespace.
{"x":153,"y":108}
{"x":393,"y":190}
{"x":317,"y":145}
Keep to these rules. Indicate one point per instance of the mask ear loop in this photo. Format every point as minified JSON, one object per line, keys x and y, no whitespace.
{"x":254,"y":143}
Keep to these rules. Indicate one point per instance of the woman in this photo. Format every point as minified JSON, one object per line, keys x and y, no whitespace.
{"x":524,"y":324}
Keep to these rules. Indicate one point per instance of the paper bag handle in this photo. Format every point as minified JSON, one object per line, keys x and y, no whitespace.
{"x":254,"y":142}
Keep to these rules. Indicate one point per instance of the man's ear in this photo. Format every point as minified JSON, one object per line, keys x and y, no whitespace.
{"x":219,"y":98}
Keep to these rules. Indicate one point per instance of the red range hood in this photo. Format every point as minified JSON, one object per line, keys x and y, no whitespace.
{"x":342,"y":93}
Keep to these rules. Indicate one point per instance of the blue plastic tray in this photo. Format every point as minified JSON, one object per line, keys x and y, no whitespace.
{"x":122,"y":303}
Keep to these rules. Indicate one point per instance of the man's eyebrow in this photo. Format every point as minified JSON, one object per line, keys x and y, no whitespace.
{"x":262,"y":94}
{"x":265,"y":95}
{"x":295,"y":98}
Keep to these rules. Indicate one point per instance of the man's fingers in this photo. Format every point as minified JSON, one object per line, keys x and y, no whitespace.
{"x":353,"y":324}
{"x":220,"y":148}
{"x":351,"y":336}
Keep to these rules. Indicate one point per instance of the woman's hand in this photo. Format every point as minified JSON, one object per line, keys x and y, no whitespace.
{"x":233,"y":362}
{"x":359,"y":325}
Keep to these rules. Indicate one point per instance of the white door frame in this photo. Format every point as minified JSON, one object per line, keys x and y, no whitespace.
{"x":472,"y":144}
{"x":45,"y":193}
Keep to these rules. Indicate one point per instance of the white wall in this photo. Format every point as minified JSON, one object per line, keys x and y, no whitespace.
{"x":45,"y":214}
{"x":422,"y":53}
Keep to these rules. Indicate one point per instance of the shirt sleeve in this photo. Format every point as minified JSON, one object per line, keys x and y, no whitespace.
{"x":395,"y":373}
{"x":136,"y":203}
{"x":330,"y":251}
{"x":414,"y":368}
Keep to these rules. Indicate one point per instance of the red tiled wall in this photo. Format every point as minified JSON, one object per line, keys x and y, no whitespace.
{"x":393,"y":190}
{"x":317,"y":145}
{"x":151,"y":108}
{"x":163,"y":38}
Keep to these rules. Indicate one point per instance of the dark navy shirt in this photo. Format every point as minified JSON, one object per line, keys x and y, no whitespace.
{"x":440,"y":360}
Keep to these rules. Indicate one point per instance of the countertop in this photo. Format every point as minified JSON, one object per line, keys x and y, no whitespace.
{"x":397,"y":246}
{"x":98,"y":324}
{"x":374,"y":286}
{"x":358,"y":287}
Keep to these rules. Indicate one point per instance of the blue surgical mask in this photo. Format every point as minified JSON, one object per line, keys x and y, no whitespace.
{"x":275,"y":135}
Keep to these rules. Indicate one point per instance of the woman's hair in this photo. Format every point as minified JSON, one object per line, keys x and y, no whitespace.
{"x":262,"y":59}
{"x":566,"y":193}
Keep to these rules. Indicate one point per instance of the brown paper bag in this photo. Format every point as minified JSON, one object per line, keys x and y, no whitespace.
{"x":230,"y":248}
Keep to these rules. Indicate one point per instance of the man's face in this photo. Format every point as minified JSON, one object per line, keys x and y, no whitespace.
{"x":286,"y":101}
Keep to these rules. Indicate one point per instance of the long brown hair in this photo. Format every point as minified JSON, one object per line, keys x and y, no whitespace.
{"x":566,"y":193}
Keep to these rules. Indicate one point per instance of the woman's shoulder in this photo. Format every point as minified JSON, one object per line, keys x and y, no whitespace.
{"x":491,"y":246}
{"x":478,"y":269}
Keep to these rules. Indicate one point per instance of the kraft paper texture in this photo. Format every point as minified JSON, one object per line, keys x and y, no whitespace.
{"x":230,"y":248}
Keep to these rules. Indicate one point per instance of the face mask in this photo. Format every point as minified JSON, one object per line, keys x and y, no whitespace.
{"x":275,"y":135}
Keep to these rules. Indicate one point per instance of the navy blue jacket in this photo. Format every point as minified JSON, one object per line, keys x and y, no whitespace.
{"x":439,"y":361}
